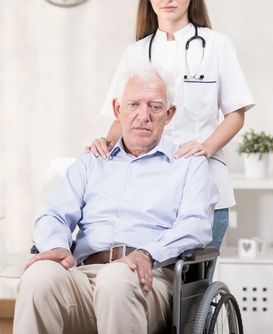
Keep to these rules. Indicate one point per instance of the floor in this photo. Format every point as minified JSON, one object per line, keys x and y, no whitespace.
{"x":6,"y":315}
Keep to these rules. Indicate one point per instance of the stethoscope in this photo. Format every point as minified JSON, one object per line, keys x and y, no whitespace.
{"x":189,"y":76}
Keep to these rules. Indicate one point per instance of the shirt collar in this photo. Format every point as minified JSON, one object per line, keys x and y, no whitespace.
{"x":162,"y":147}
{"x":179,"y":35}
{"x":116,"y":149}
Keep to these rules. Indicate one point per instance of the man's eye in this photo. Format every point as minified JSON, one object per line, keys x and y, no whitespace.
{"x":156,"y":107}
{"x":133,"y":105}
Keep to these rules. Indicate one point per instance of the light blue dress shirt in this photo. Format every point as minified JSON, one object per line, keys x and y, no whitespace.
{"x":155,"y":202}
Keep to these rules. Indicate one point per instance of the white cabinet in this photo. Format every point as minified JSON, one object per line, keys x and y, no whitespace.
{"x":251,"y":282}
{"x":250,"y":279}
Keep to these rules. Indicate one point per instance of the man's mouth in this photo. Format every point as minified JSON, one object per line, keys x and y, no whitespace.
{"x":142,"y":129}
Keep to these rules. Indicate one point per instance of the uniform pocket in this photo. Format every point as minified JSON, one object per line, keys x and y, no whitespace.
{"x":200,"y":96}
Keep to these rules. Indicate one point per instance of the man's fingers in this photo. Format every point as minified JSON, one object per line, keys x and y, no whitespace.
{"x":139,"y":262}
{"x":68,"y":262}
{"x":30,"y":262}
{"x":35,"y":258}
{"x":145,"y":278}
{"x":60,"y":255}
{"x":132,"y":266}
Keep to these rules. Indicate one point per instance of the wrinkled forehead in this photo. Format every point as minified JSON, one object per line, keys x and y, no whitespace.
{"x":138,"y":88}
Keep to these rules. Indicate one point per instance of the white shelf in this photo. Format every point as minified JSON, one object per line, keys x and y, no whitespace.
{"x":230,"y":255}
{"x":239,"y":181}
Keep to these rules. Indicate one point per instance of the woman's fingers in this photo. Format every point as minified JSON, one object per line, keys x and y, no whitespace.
{"x":100,"y":147}
{"x":190,"y":148}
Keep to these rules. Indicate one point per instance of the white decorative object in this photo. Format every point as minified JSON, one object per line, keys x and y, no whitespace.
{"x":256,"y":166}
{"x":251,"y":247}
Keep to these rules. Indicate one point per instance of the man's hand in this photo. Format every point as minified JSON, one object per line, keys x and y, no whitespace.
{"x":140,"y":262}
{"x":60,"y":255}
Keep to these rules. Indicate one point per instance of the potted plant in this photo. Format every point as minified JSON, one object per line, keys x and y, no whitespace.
{"x":255,"y":148}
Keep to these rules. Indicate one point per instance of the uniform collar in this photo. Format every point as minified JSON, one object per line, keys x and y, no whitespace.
{"x":179,"y":35}
{"x":162,"y":147}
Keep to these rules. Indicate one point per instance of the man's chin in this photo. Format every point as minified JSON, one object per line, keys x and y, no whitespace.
{"x":144,"y":143}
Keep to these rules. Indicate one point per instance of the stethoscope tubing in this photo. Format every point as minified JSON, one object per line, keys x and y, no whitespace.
{"x":187,"y":45}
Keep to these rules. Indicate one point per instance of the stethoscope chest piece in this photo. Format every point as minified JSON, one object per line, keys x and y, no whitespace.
{"x":190,"y":76}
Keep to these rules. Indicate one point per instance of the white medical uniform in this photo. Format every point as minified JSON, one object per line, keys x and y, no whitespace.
{"x":198,"y":103}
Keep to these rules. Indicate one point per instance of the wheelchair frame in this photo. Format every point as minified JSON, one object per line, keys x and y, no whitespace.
{"x":206,"y":303}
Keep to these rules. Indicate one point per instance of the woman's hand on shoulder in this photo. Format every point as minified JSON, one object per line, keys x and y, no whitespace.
{"x":100,"y":147}
{"x":192,"y":147}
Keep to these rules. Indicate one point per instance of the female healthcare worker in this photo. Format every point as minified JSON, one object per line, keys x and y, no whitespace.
{"x":176,"y":35}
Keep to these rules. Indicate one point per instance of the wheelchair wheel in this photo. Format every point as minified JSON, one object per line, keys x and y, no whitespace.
{"x":226,"y":317}
{"x":218,"y":312}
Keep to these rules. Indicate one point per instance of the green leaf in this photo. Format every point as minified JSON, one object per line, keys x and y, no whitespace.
{"x":256,"y":142}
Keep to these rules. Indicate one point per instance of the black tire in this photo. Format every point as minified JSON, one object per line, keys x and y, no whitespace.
{"x":208,"y":306}
{"x":230,"y":307}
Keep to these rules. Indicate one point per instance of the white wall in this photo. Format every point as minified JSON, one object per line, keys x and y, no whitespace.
{"x":249,"y":24}
{"x":55,"y":67}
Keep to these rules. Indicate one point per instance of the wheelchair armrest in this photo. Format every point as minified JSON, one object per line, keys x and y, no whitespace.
{"x":200,"y":254}
{"x":34,"y":250}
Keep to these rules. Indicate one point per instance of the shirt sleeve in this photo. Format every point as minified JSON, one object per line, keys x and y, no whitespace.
{"x":193,"y":226}
{"x":57,"y":219}
{"x":234,"y":92}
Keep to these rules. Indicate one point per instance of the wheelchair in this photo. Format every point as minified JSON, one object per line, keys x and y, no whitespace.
{"x":210,"y":307}
{"x":200,"y":306}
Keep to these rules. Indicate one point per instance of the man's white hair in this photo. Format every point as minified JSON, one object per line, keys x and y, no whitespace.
{"x":147,"y":73}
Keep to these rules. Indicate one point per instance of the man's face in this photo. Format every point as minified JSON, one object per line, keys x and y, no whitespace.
{"x":143,"y":114}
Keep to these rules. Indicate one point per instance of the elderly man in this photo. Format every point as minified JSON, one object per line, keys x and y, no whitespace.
{"x":135,"y":210}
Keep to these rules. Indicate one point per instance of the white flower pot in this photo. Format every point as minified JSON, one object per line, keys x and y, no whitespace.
{"x":255,"y":168}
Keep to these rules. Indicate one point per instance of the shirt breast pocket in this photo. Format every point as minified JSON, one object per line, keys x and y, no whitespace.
{"x":201,"y":96}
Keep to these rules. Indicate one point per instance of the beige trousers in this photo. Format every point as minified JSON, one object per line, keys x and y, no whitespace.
{"x":104,"y":299}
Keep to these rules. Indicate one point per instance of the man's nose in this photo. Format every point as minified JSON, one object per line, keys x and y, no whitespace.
{"x":143,"y":112}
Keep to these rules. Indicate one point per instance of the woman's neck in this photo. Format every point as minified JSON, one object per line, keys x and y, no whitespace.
{"x":170,"y":27}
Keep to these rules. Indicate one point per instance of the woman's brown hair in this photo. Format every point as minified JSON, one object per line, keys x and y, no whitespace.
{"x":147,"y":23}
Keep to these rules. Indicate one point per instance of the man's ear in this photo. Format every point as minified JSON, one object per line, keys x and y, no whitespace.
{"x":116,"y":108}
{"x":170,"y":113}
